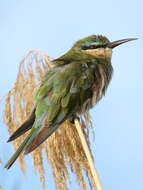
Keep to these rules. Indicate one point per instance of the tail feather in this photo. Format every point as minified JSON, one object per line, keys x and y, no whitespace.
{"x":34,"y":132}
{"x":16,"y":154}
{"x":38,"y":134}
{"x":24,"y":127}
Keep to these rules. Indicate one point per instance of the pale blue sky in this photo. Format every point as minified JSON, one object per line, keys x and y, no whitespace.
{"x":52,"y":27}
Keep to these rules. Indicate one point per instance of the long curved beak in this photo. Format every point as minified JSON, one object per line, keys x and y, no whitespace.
{"x":119,"y":42}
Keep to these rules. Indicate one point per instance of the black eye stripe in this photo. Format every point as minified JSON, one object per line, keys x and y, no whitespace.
{"x":93,"y":46}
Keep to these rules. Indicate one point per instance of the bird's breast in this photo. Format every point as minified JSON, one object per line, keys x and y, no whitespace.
{"x":102,"y":76}
{"x":98,"y":87}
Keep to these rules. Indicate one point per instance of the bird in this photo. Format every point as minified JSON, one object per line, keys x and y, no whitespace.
{"x":75,"y":83}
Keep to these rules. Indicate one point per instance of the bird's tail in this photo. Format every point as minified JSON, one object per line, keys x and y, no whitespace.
{"x":38,"y":134}
{"x":16,"y":154}
{"x":34,"y":132}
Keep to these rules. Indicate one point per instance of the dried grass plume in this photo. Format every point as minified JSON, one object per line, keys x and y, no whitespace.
{"x":63,"y":149}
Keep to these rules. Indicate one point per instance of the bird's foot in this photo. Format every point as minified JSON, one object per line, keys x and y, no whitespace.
{"x":72,"y":119}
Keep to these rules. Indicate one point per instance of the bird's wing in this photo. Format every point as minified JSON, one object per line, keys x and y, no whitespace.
{"x":70,"y":89}
{"x":30,"y":121}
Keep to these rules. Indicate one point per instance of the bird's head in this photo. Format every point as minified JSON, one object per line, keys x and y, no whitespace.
{"x":96,"y":46}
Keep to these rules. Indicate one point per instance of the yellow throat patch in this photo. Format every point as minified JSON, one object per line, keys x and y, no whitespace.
{"x":105,"y":53}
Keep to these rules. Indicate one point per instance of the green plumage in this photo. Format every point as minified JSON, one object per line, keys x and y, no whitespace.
{"x":74,"y":85}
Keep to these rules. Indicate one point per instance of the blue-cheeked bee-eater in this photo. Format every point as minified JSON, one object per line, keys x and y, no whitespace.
{"x":75,"y":84}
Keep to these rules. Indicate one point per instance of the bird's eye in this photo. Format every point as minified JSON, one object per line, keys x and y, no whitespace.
{"x":92,"y":47}
{"x":85,"y":47}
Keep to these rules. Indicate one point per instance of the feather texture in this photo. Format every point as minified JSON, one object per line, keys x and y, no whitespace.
{"x":72,"y":87}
